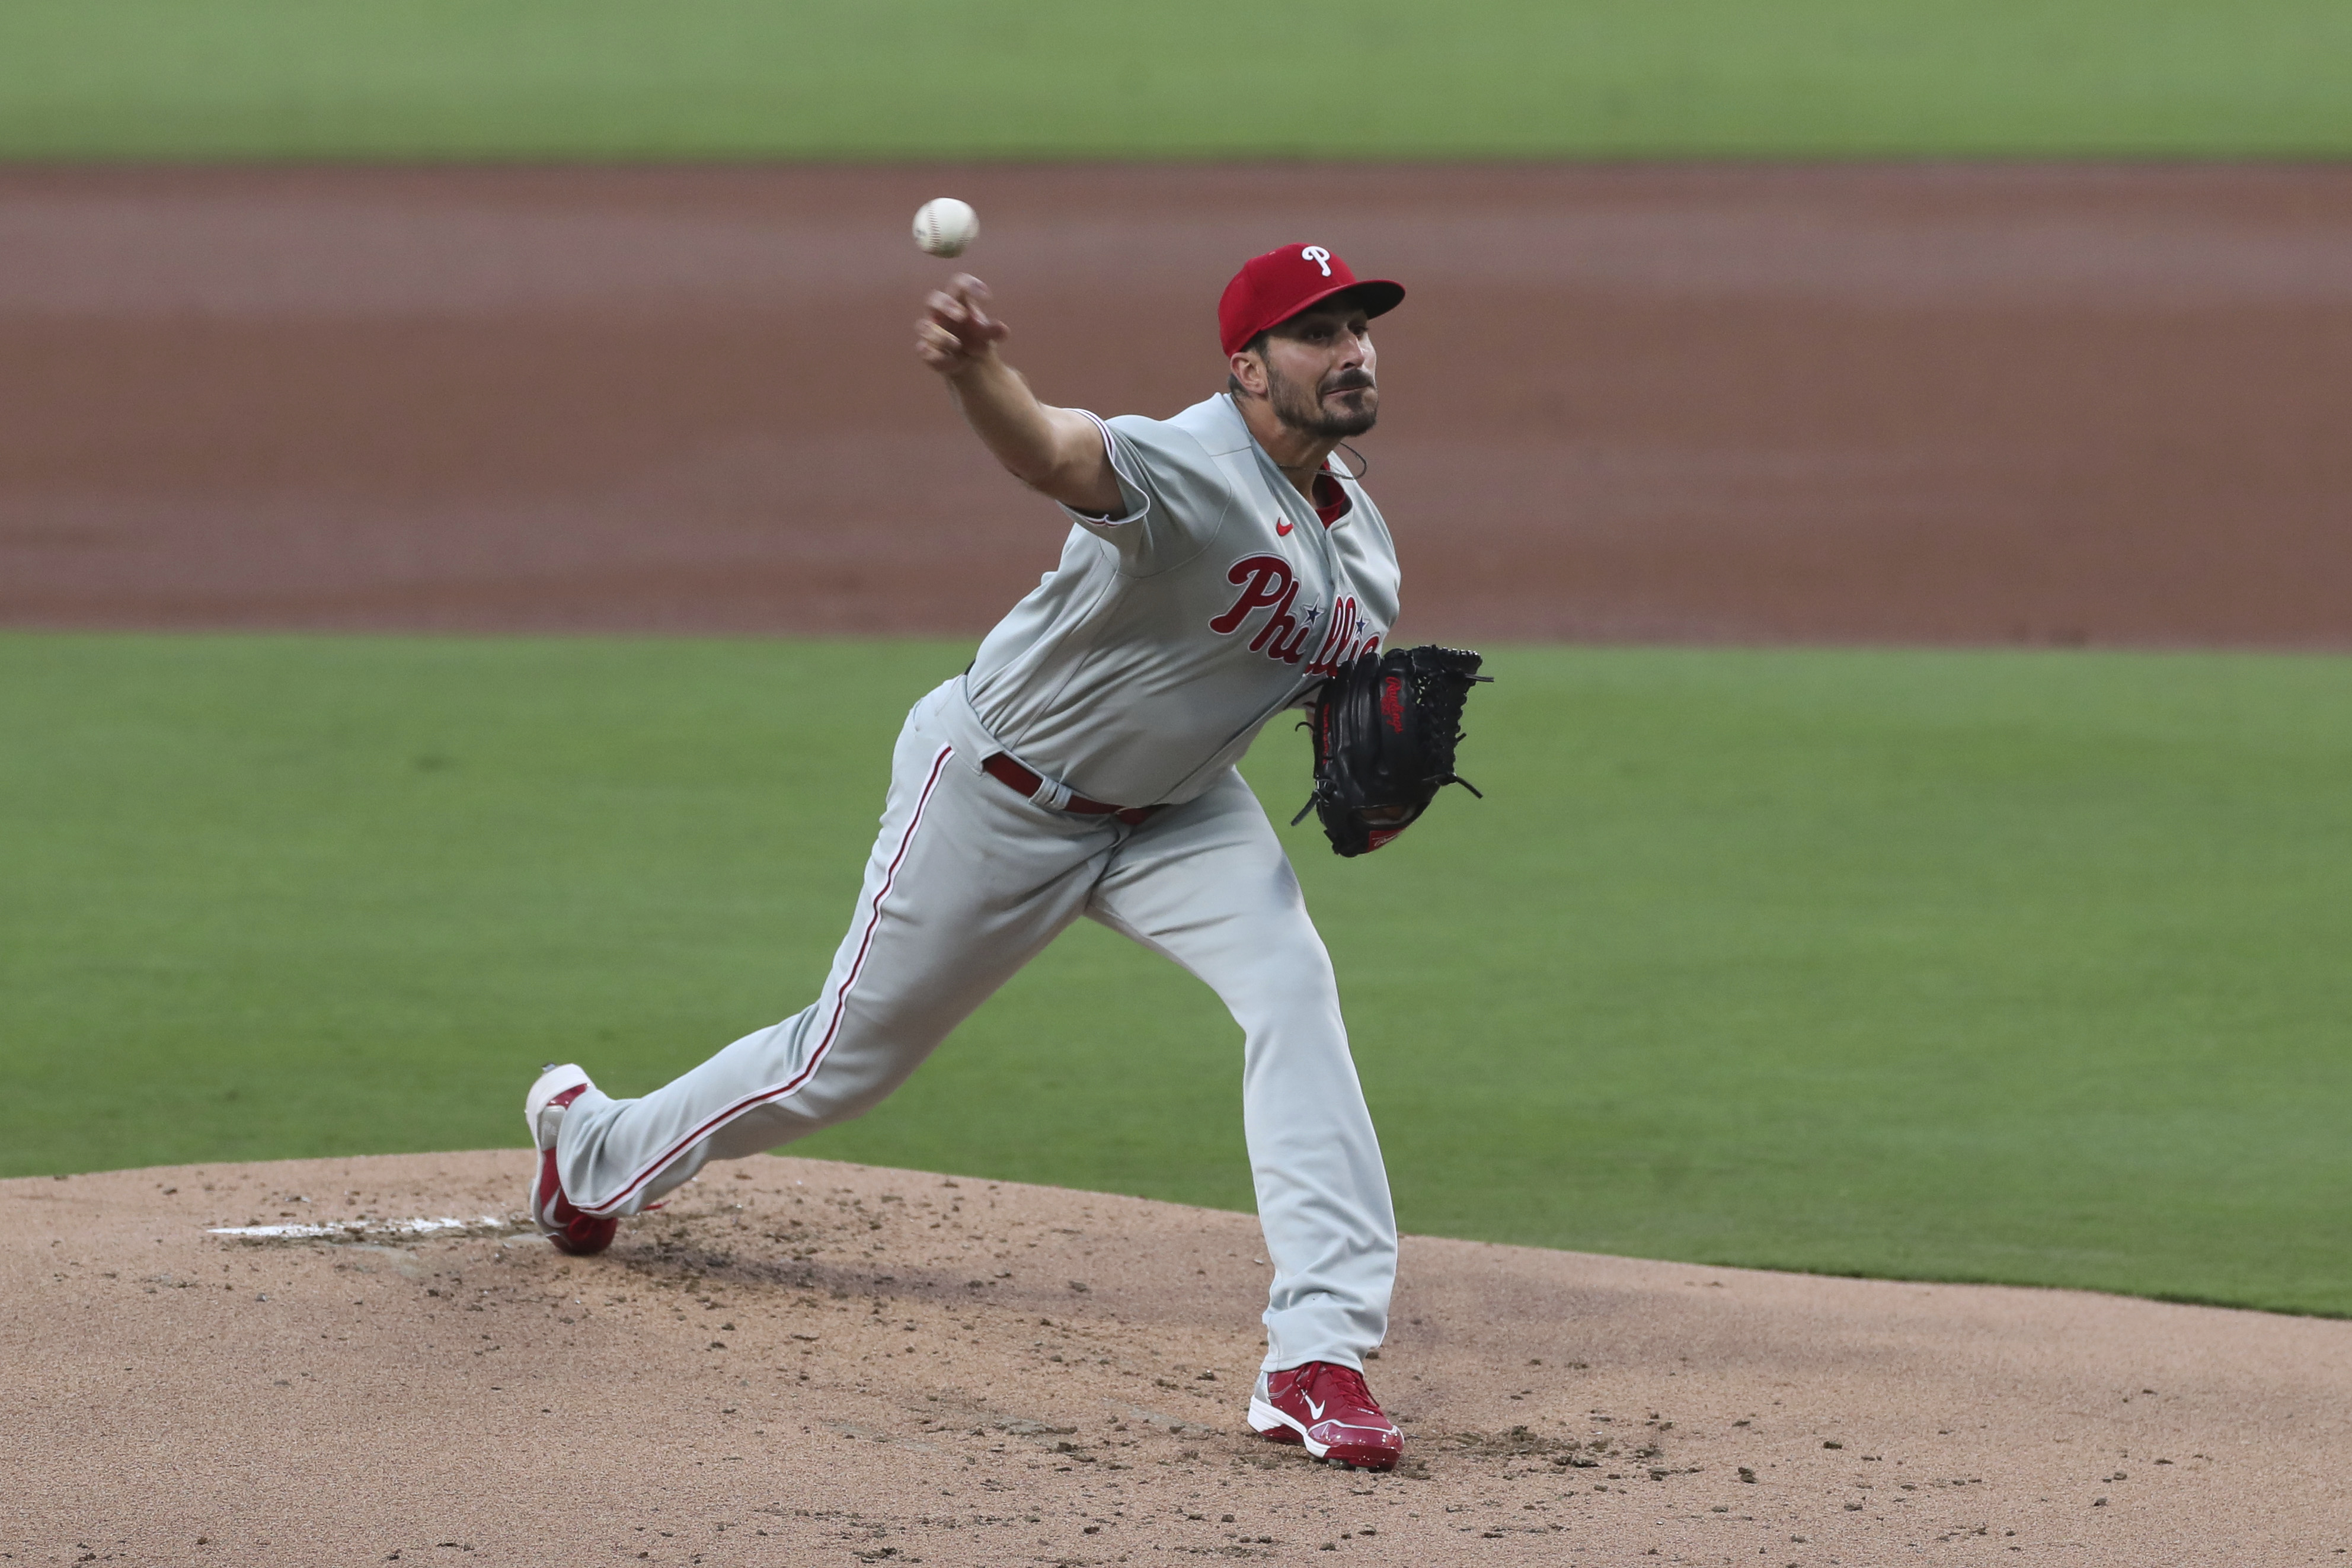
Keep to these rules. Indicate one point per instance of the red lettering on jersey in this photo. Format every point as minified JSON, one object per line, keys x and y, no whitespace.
{"x":1290,"y":652}
{"x":1282,"y":637}
{"x":1337,"y":647}
{"x":1264,"y":580}
{"x":1321,"y":664}
{"x":1267,"y":582}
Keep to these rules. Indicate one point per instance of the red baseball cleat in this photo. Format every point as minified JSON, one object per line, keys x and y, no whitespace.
{"x":571,"y":1231}
{"x":1328,"y":1408}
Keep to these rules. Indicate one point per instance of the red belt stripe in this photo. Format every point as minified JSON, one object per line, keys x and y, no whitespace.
{"x":1001,"y":768}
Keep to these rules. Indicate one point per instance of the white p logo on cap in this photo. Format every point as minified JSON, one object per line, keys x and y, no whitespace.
{"x":1319,"y":257}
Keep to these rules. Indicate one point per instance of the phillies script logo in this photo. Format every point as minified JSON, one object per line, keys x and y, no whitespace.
{"x":1267,"y":583}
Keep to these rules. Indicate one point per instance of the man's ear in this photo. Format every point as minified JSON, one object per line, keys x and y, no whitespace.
{"x":1249,"y":370}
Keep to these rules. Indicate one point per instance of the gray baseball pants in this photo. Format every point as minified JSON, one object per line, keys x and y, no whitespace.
{"x":969,"y":881}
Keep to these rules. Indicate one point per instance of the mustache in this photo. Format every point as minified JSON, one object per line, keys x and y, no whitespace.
{"x":1349,"y":381}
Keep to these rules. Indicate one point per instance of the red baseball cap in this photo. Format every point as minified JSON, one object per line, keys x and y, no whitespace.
{"x":1270,"y":289}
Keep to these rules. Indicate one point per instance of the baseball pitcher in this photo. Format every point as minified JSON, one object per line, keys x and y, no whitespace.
{"x":1220,"y":569}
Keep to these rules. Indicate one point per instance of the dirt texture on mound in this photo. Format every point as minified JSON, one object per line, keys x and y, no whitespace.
{"x":1961,"y":404}
{"x":806,"y":1363}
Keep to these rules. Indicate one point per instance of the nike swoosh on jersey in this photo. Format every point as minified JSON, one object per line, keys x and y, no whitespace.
{"x":1284,"y":528}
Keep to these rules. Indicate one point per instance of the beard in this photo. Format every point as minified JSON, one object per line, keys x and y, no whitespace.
{"x":1302,"y":408}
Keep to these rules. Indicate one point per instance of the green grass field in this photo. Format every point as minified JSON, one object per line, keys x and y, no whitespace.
{"x":1214,"y":78}
{"x":2023,"y":967}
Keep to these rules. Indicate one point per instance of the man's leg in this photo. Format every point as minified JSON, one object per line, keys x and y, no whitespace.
{"x":968,"y":880}
{"x":1207,"y":885}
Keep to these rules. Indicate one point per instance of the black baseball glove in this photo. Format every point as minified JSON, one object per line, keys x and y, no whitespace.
{"x":1385,"y":728}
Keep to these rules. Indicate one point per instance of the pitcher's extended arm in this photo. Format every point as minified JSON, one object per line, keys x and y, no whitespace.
{"x":1057,"y":452}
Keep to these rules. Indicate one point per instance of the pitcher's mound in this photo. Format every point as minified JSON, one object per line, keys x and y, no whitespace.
{"x":802,"y":1362}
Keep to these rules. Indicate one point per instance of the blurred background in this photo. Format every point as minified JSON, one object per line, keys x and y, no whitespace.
{"x":470,"y":522}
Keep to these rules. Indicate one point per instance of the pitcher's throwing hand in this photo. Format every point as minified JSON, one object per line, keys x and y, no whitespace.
{"x":956,"y":328}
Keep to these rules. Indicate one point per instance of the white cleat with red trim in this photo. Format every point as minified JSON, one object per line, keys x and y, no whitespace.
{"x":571,"y":1231}
{"x":1327,"y":1408}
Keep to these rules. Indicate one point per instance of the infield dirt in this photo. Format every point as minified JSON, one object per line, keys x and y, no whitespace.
{"x":1953,"y":405}
{"x":804,"y":1363}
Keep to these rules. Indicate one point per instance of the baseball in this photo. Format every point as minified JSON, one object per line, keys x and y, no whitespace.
{"x":944,"y":225}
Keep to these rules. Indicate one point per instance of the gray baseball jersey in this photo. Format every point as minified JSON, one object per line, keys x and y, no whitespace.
{"x":1143,"y":664}
{"x":1135,"y":674}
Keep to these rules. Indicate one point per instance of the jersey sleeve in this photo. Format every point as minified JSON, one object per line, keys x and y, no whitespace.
{"x":1174,"y":494}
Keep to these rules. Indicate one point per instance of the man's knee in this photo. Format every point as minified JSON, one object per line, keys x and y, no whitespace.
{"x":1291,"y":985}
{"x":845,"y":1086}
